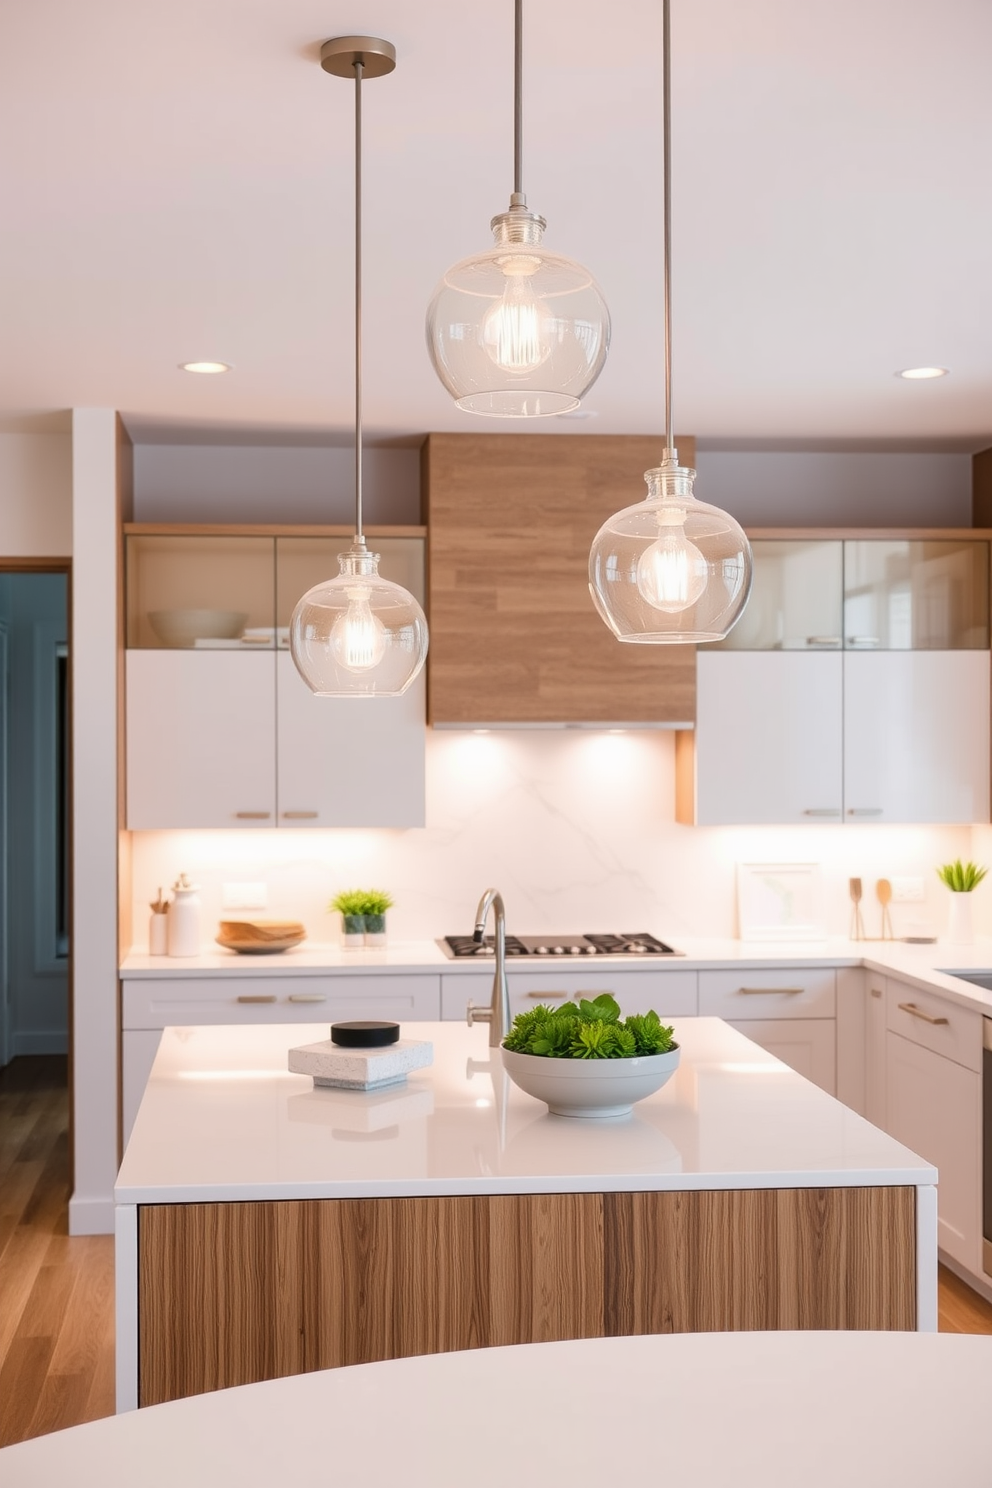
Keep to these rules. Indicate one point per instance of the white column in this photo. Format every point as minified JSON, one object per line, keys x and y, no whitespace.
{"x":94,"y":807}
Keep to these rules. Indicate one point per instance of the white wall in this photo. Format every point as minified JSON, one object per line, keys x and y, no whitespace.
{"x":35,"y":495}
{"x":94,"y":766}
{"x":577,"y":830}
{"x":260,"y":483}
{"x":783,"y":489}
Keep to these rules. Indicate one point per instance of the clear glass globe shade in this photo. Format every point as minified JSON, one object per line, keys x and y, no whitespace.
{"x":671,"y":573}
{"x":626,"y":580}
{"x":358,"y":638}
{"x":516,"y":331}
{"x":358,"y":635}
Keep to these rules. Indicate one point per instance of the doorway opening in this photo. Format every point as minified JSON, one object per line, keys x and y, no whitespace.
{"x":35,"y":889}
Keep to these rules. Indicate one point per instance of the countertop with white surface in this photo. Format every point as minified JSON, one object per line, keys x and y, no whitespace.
{"x":869,"y":1410}
{"x":222,"y":1119}
{"x":924,"y":966}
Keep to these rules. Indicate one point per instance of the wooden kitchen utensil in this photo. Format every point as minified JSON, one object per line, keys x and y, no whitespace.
{"x":883,"y":889}
{"x":857,"y":923}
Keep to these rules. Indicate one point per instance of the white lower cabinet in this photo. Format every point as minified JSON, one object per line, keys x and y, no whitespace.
{"x":236,"y":739}
{"x":933,"y":1104}
{"x":672,"y":994}
{"x":790,"y":1011}
{"x":807,"y":1045}
{"x":149,"y":1004}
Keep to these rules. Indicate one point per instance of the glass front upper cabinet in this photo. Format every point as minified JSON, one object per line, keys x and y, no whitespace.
{"x":866,"y":594}
{"x":234,"y":592}
{"x":796,"y":601}
{"x":918,"y":595}
{"x":195,"y":592}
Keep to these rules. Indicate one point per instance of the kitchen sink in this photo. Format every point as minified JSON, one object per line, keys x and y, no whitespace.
{"x":981,"y":979}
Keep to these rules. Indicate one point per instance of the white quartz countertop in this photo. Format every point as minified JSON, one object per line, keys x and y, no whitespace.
{"x":222,"y":1119}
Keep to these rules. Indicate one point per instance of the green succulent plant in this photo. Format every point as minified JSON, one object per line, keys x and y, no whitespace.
{"x":588,"y":1030}
{"x":960,"y":877}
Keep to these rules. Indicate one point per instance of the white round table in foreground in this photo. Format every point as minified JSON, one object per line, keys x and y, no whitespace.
{"x":702,"y":1410}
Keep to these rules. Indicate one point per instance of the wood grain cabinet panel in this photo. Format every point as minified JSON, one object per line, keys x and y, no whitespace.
{"x":514,"y":635}
{"x":233,"y":1293}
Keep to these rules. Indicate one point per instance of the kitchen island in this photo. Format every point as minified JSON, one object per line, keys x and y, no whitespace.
{"x":266,"y":1227}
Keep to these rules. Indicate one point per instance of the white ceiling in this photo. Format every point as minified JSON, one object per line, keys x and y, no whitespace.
{"x":177,"y":184}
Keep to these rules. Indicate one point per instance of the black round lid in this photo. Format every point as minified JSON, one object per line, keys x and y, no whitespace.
{"x":364,"y":1035}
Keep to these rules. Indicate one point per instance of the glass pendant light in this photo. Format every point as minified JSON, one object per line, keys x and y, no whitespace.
{"x":516,"y":331}
{"x":671,"y":568}
{"x":358,"y":635}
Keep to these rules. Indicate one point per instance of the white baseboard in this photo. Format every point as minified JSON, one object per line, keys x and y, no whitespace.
{"x":89,"y":1216}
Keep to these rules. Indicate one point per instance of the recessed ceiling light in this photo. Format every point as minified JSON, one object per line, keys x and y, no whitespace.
{"x":919,"y":373}
{"x":204,"y":366}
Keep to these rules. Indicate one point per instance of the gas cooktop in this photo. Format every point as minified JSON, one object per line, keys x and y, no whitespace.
{"x":626,"y":944}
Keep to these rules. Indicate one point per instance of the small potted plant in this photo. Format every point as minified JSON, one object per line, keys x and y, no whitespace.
{"x":375,"y":902}
{"x":961,"y":879}
{"x":350,"y":905}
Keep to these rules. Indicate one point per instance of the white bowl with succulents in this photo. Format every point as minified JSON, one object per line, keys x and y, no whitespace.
{"x":585,"y":1060}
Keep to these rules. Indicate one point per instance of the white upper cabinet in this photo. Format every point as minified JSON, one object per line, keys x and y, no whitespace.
{"x":769,"y":737}
{"x":890,"y":723}
{"x":221,"y":729}
{"x":201,"y":739}
{"x":348,"y":762}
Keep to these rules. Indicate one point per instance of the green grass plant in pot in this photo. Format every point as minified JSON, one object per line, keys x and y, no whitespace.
{"x":375,"y":904}
{"x":583,"y":1059}
{"x":961,"y":879}
{"x":350,"y":905}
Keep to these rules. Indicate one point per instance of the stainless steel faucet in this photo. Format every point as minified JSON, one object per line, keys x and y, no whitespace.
{"x":497,"y":1014}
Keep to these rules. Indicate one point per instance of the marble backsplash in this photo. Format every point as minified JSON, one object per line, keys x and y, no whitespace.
{"x":576,"y":829}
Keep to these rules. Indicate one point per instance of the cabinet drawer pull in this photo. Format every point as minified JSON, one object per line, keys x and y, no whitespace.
{"x":866,"y":811}
{"x":301,"y":815}
{"x":862,"y":640}
{"x":307,"y":997}
{"x":911,"y":1008}
{"x":821,"y":811}
{"x":876,"y":991}
{"x":540,"y":996}
{"x":766,"y":991}
{"x":257,"y":997}
{"x":824,"y":640}
{"x":253,"y":815}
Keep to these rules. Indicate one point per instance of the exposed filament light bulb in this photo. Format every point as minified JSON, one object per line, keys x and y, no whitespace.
{"x":517,"y":331}
{"x":358,"y":638}
{"x":672,"y":572}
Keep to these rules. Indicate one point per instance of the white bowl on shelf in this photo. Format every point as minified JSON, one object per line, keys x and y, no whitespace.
{"x":184,"y":627}
{"x":590,"y":1088}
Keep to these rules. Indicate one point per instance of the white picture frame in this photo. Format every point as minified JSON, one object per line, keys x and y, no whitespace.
{"x":779,"y":901}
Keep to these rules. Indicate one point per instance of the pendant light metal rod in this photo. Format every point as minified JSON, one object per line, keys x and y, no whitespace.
{"x":666,"y":105}
{"x":518,"y":110}
{"x":359,"y":69}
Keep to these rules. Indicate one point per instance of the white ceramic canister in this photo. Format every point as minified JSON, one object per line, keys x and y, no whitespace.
{"x":184,"y":918}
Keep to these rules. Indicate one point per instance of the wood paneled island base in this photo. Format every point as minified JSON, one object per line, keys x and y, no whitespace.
{"x":232,"y":1293}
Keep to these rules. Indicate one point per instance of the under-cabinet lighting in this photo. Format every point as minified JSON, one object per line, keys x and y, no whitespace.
{"x":920,"y":374}
{"x":205,"y":367}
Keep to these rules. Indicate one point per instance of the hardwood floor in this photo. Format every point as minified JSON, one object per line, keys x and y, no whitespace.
{"x":56,"y":1292}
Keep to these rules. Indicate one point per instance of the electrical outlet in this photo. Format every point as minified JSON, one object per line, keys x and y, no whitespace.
{"x":907,"y":890}
{"x":244,"y":895}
